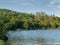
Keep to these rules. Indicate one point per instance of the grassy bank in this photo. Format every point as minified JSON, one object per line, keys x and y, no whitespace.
{"x":1,"y":42}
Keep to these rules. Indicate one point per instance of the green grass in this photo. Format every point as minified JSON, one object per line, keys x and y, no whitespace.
{"x":1,"y":42}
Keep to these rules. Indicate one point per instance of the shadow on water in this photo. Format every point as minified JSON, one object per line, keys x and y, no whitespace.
{"x":33,"y":38}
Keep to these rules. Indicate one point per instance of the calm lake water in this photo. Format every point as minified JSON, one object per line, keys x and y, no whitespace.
{"x":34,"y":37}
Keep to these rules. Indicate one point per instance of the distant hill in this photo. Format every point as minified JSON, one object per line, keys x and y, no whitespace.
{"x":13,"y":20}
{"x":19,"y":20}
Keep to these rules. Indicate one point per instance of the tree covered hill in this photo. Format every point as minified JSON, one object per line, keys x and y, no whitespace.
{"x":12,"y":20}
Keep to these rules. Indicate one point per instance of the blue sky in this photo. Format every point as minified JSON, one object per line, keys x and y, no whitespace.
{"x":32,"y":6}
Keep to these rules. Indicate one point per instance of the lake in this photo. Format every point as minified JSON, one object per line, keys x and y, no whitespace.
{"x":34,"y":37}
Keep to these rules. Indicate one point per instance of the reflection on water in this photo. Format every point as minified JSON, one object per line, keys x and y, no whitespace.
{"x":34,"y":37}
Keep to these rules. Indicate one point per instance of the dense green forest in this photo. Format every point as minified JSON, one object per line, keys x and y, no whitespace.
{"x":12,"y":20}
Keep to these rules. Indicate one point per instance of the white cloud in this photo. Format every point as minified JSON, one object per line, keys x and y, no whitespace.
{"x":58,"y":6}
{"x":55,"y":6}
{"x":57,"y":13}
{"x":51,"y":2}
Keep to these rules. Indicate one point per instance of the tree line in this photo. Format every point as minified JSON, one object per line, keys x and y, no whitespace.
{"x":12,"y":20}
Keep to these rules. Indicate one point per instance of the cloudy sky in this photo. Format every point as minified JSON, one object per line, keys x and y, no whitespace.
{"x":48,"y":6}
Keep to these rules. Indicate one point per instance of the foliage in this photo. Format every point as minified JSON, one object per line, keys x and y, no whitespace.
{"x":1,"y":42}
{"x":12,"y":20}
